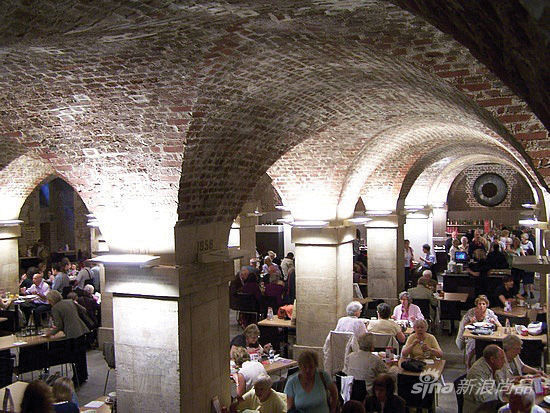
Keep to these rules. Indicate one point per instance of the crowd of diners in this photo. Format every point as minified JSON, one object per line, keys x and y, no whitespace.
{"x":309,"y":389}
{"x":314,"y":390}
{"x":66,"y":299}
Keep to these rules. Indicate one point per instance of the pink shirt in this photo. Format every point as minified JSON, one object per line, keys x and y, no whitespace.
{"x":414,"y":311}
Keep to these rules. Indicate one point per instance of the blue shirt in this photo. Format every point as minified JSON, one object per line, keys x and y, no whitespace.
{"x":430,"y":260}
{"x":312,"y":402}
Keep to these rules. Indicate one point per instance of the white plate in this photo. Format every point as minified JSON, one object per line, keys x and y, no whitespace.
{"x":470,"y":327}
{"x":547,"y":399}
{"x":482,"y":324}
{"x":28,"y":297}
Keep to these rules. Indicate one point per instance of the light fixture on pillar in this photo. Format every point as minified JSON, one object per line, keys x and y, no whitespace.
{"x":309,"y":224}
{"x":414,"y":208}
{"x":256,"y":213}
{"x":282,"y":208}
{"x":10,"y":222}
{"x":529,"y":206}
{"x":378,"y":212}
{"x":285,"y":221}
{"x":357,"y":220}
{"x":127,"y":259}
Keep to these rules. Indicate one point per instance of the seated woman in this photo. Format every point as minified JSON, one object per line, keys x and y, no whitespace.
{"x":261,"y":398}
{"x":383,"y":399}
{"x":479,"y":269}
{"x":249,"y":340}
{"x":513,"y":365}
{"x":248,"y":371}
{"x":37,"y":398}
{"x":420,"y":344}
{"x":307,"y":390}
{"x":351,"y":322}
{"x":384,"y":325}
{"x":480,"y":313}
{"x":363,"y":365}
{"x":407,"y":310}
{"x":63,"y":391}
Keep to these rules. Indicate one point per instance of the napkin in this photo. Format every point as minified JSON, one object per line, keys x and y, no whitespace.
{"x":94,"y":405}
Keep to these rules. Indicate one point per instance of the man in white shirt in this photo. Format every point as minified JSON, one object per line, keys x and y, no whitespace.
{"x":521,"y":399}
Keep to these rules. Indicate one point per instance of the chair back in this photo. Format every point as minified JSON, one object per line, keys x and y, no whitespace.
{"x":7,"y":361}
{"x":338,"y":345}
{"x":358,"y":390}
{"x":459,"y":394}
{"x":381,"y":341}
{"x":424,"y":305}
{"x":109,"y":354}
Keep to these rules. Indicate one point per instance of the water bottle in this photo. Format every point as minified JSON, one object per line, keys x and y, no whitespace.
{"x":271,"y":356}
{"x":269,"y":313}
{"x":507,"y":326}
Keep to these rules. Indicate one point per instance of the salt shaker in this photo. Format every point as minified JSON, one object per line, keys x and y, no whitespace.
{"x":269,"y":313}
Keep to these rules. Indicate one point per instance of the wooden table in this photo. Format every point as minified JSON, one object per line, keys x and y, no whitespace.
{"x":499,"y":335}
{"x":2,"y":319}
{"x":16,"y":389}
{"x":105,"y":408}
{"x":519,"y":312}
{"x":9,"y":342}
{"x":279,"y":366}
{"x":436,"y":368}
{"x":461,"y":297}
{"x":276,"y":322}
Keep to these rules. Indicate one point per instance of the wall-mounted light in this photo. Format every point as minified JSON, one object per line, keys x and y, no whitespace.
{"x":310,"y":224}
{"x":256,"y":213}
{"x":438,"y":205}
{"x":529,"y":206}
{"x":10,"y":222}
{"x":533,"y":222}
{"x":378,"y":212}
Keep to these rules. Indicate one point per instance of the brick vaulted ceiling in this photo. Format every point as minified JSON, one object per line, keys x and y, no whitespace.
{"x":183,"y":106}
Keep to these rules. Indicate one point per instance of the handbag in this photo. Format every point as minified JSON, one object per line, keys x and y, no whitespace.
{"x":331,"y":410}
{"x":413,"y":365}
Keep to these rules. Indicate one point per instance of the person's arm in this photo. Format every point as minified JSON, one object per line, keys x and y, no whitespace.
{"x":333,"y":390}
{"x":433,"y":347}
{"x":400,"y":337}
{"x":409,"y":346}
{"x":58,"y":324}
{"x":241,"y":385}
{"x":502,"y":299}
{"x":289,"y":402}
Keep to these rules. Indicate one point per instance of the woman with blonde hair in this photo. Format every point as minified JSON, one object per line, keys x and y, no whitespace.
{"x":248,"y":371}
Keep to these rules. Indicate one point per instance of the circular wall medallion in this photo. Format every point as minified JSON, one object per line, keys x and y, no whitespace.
{"x":490,"y":189}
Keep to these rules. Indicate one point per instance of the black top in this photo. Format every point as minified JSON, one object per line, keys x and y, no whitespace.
{"x":65,"y":407}
{"x":240,"y":341}
{"x":27,"y":282}
{"x":394,"y":404}
{"x":497,"y":260}
{"x":501,"y":290}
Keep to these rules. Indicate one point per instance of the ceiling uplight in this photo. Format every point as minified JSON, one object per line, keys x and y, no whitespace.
{"x":529,"y":222}
{"x":285,"y":220}
{"x":125,"y":259}
{"x":310,"y":224}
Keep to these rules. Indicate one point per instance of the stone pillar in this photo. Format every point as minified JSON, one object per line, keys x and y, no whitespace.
{"x":324,"y":282}
{"x":386,"y":275}
{"x":10,"y":232}
{"x":248,"y":233}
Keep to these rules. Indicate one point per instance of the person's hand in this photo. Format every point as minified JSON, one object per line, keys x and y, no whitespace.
{"x":425,"y":347}
{"x":393,"y":317}
{"x":472,"y":320}
{"x":22,"y":290}
{"x":268,"y":347}
{"x":412,"y":318}
{"x":492,"y":320}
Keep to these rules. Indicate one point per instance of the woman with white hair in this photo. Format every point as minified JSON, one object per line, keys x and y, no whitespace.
{"x":261,"y":398}
{"x":513,"y":365}
{"x":351,"y":323}
{"x":407,"y":310}
{"x":521,"y":399}
{"x":421,"y":344}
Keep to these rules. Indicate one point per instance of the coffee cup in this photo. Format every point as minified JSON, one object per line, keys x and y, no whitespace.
{"x":521,"y":303}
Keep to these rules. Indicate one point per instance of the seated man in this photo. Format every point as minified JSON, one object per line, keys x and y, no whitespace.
{"x":506,"y":292}
{"x":351,"y":322}
{"x":423,"y":292}
{"x":249,"y":340}
{"x":40,"y":304}
{"x":483,"y":380}
{"x":261,"y":398}
{"x":384,"y":325}
{"x":521,"y":399}
{"x":428,"y":260}
{"x":363,"y":365}
{"x":513,"y":366}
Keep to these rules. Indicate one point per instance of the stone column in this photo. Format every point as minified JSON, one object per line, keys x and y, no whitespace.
{"x":386,"y":275}
{"x":324,"y":282}
{"x":10,"y":232}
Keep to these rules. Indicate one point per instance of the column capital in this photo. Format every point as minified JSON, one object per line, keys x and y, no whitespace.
{"x":333,"y":235}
